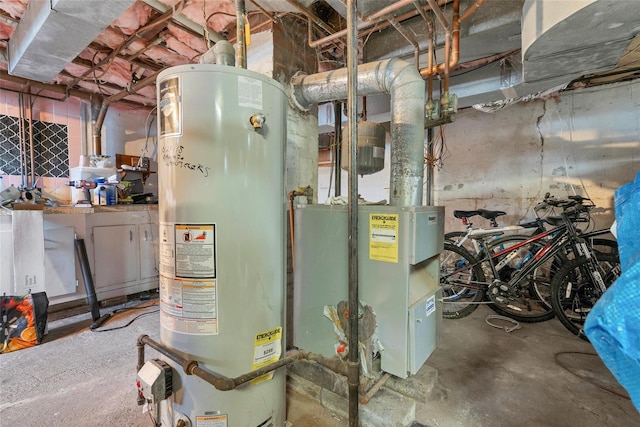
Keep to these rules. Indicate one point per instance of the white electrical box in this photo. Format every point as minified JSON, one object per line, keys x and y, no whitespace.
{"x":155,"y":381}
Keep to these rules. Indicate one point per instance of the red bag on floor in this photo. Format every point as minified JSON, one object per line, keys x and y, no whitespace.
{"x":24,"y":320}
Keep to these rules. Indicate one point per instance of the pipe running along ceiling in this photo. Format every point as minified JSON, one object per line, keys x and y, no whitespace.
{"x":496,"y":49}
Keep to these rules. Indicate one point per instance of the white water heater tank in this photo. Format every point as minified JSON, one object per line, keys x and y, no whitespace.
{"x":222,"y":255}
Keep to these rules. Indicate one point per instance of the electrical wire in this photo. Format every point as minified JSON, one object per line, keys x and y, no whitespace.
{"x":115,"y":328}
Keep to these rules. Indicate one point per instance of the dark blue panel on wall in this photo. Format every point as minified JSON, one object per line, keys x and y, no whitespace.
{"x":50,"y":147}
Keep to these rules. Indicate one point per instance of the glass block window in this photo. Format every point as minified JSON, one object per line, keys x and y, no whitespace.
{"x":50,"y":147}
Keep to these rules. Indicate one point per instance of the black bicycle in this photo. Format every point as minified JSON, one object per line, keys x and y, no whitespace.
{"x":514,"y":275}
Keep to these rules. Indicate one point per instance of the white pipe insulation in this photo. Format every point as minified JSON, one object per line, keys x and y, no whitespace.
{"x":402,"y":81}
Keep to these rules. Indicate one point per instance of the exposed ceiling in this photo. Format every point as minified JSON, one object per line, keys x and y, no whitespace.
{"x":115,"y":48}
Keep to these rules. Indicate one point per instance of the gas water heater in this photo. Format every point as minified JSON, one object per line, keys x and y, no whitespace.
{"x":221,"y":198}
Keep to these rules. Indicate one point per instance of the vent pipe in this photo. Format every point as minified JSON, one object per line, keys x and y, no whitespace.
{"x":402,"y":81}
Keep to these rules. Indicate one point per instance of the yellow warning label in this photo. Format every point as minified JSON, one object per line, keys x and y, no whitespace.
{"x":267,"y":348}
{"x":383,"y":237}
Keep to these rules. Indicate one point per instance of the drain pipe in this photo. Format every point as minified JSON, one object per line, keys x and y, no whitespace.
{"x":402,"y":81}
{"x":241,"y":49}
{"x":98,"y":113}
{"x":353,"y":377}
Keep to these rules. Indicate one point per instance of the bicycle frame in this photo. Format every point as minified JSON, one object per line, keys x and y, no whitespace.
{"x":562,"y":235}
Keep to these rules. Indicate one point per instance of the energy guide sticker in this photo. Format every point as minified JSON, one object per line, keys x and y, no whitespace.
{"x":383,"y":237}
{"x":267,"y":348}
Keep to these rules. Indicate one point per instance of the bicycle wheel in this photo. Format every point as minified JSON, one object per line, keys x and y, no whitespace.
{"x":573,"y":294}
{"x":530,"y":300}
{"x":462,"y":282}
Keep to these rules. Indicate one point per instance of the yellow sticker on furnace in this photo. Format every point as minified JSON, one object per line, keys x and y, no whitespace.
{"x":383,"y":237}
{"x":267,"y":348}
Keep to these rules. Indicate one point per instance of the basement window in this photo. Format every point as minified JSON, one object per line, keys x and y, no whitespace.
{"x":50,"y":147}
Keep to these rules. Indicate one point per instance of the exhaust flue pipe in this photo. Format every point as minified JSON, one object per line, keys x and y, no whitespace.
{"x":402,"y":81}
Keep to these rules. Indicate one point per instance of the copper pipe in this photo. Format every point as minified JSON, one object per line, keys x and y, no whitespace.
{"x":431,"y":28}
{"x":455,"y":45}
{"x":472,"y":9}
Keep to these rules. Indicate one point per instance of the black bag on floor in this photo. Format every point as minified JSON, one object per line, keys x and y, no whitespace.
{"x":24,"y":320}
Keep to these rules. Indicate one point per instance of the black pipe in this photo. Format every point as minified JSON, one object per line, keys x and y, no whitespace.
{"x":353,"y":379}
{"x":430,"y":167}
{"x":92,"y":300}
{"x":337,"y":147}
{"x":220,"y":382}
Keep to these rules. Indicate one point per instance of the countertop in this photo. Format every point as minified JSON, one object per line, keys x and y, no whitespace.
{"x":82,"y":210}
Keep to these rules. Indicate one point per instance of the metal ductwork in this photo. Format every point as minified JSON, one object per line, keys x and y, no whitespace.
{"x":402,"y":81}
{"x":57,"y":30}
{"x":573,"y":38}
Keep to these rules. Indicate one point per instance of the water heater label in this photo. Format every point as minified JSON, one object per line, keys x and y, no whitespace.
{"x":195,"y":250}
{"x":167,"y":249}
{"x":170,"y":106}
{"x":267,"y":348}
{"x":212,"y":421}
{"x":189,"y":306}
{"x":249,"y":92}
{"x":383,"y":237}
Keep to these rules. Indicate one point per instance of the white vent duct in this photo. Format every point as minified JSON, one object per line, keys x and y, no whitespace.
{"x":52,"y":33}
{"x":573,"y":38}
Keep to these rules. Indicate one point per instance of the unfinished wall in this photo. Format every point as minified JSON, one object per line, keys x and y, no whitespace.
{"x":585,"y":142}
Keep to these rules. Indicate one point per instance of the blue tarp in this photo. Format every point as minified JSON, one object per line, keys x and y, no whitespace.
{"x":613,"y":325}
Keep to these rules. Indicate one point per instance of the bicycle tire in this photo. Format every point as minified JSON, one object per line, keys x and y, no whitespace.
{"x":533,"y":299}
{"x":462,"y":282}
{"x":455,"y":236}
{"x":573,"y":294}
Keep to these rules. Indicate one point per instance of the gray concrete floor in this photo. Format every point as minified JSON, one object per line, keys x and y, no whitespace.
{"x":485,"y":377}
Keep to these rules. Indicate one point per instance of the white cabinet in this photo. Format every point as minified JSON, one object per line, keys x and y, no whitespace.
{"x":59,"y":261}
{"x":116,"y":255}
{"x":148,"y":235}
{"x":123,"y":251}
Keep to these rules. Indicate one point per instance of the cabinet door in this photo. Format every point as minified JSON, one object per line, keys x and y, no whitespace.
{"x":59,"y":261}
{"x":115,"y":251}
{"x":148,"y":250}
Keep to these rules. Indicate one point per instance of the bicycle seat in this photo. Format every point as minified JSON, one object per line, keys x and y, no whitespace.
{"x":490,"y":214}
{"x":465,"y":214}
{"x":529,"y":224}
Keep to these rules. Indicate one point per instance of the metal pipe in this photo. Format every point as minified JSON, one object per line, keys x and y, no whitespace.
{"x":431,"y":28}
{"x":241,"y":45}
{"x":183,"y":21}
{"x":366,"y":23}
{"x":337,"y":145}
{"x":455,"y":45}
{"x":429,"y":166}
{"x":96,"y":127}
{"x":401,"y":80}
{"x":263,"y":10}
{"x":22,"y":137}
{"x":408,"y":37}
{"x":373,"y":390}
{"x":472,"y":9}
{"x":220,"y":382}
{"x":353,"y":377}
{"x":311,"y":16}
{"x":32,"y":185}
